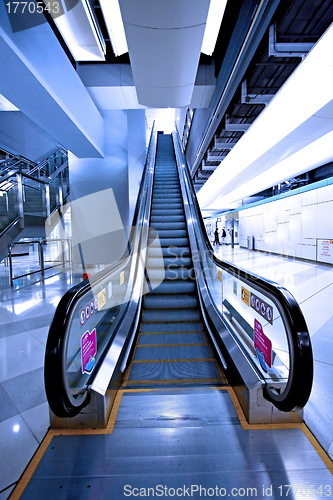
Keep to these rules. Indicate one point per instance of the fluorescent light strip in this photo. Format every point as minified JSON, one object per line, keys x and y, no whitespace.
{"x":301,"y":98}
{"x":214,"y":20}
{"x":313,"y":155}
{"x":81,"y":33}
{"x":114,"y":25}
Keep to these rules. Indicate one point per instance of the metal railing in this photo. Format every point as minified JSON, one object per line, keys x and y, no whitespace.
{"x":31,"y":193}
{"x":41,"y":258}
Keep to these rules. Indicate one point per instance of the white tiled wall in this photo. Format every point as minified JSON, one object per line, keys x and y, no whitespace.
{"x":290,"y":226}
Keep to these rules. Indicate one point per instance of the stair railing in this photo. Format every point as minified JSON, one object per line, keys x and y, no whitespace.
{"x":37,"y":192}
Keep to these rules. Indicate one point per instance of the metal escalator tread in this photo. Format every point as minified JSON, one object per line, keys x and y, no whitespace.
{"x":172,"y":347}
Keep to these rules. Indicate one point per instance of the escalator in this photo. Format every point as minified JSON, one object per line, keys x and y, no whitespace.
{"x":170,"y":313}
{"x":172,"y":347}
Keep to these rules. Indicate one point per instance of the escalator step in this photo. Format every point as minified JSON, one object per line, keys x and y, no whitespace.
{"x":168,"y":242}
{"x":171,"y":287}
{"x":175,"y":273}
{"x":174,"y":370}
{"x":168,"y":263}
{"x":185,"y":315}
{"x":172,"y":233}
{"x":160,"y":226}
{"x":172,"y":352}
{"x":177,"y":301}
{"x":168,"y":338}
{"x":171,"y":252}
{"x":166,"y":219}
{"x":159,"y":212}
{"x":171,"y":328}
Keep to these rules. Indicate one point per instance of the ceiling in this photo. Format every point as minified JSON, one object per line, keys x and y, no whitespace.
{"x":295,"y":27}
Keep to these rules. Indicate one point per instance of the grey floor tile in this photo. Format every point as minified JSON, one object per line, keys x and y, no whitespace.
{"x":17,"y":446}
{"x":38,"y":420}
{"x":7,"y":407}
{"x":27,"y":390}
{"x":26,"y":325}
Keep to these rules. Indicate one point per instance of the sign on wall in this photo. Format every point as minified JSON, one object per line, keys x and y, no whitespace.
{"x":325,"y":251}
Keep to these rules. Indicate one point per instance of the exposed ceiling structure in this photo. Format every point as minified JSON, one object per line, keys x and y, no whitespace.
{"x":292,"y":32}
{"x":260,"y":44}
{"x":164,"y":39}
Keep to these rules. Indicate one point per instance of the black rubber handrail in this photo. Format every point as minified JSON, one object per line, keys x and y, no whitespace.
{"x":298,"y":388}
{"x":60,"y":400}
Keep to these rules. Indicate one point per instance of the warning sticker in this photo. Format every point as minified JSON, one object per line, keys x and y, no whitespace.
{"x":219,"y":275}
{"x":122,"y":277}
{"x":88,"y":350}
{"x":262,"y":308}
{"x":263,"y":346}
{"x":101,"y":299}
{"x":245,"y":296}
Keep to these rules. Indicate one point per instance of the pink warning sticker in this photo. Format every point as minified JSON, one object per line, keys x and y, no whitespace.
{"x":263,"y":346}
{"x":88,"y":350}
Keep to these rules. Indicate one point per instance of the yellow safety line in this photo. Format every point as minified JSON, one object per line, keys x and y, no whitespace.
{"x":196,"y":360}
{"x":179,"y":381}
{"x":179,"y":389}
{"x":291,"y":425}
{"x":32,"y":466}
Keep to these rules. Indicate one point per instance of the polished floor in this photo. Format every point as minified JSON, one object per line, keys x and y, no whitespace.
{"x":27,"y":310}
{"x":180,"y":442}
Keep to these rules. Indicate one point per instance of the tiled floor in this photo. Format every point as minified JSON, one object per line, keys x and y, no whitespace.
{"x":312,"y":285}
{"x":26,"y":312}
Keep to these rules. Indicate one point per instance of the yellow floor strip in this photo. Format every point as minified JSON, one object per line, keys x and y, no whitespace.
{"x":179,"y":381}
{"x":302,"y":426}
{"x":29,"y":471}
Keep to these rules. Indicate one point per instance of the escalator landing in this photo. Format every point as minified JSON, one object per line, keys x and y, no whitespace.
{"x":178,"y":439}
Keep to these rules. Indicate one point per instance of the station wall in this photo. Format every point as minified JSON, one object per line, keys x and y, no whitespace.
{"x":294,"y":226}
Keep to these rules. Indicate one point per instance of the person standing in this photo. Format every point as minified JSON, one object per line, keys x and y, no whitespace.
{"x":216,"y":234}
{"x":224,"y":234}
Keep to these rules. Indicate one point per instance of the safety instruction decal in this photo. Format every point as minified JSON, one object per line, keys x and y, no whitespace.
{"x":122,"y":277}
{"x":263,"y":346}
{"x":88,"y":350}
{"x":101,"y":299}
{"x":245,"y":296}
{"x":262,"y":308}
{"x":219,"y":275}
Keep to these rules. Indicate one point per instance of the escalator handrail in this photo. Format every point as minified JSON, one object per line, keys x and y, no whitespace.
{"x":298,"y":388}
{"x":60,"y":400}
